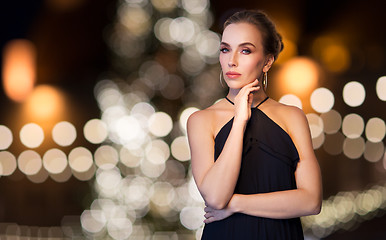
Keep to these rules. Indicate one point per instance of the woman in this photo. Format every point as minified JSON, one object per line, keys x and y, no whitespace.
{"x":252,"y":157}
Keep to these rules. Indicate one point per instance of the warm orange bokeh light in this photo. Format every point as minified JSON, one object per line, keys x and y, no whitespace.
{"x":299,"y":76}
{"x":332,"y":52}
{"x":19,"y":69}
{"x":45,"y":103}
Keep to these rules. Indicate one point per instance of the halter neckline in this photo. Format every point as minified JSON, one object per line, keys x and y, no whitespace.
{"x":265,"y":99}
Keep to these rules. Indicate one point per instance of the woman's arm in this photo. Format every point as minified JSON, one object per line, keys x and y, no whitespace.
{"x":216,"y":180}
{"x":305,"y":200}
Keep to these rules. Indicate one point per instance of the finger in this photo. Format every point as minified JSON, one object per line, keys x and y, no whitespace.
{"x":209,"y":220}
{"x":208,"y":209}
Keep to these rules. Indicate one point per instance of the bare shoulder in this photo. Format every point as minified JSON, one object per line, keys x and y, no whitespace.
{"x":286,"y":116}
{"x":208,"y":118}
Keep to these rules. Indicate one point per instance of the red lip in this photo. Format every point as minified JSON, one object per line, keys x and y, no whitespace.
{"x":232,"y":74}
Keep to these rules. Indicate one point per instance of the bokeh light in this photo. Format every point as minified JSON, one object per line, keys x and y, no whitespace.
{"x":106,"y":157}
{"x":7,"y":163}
{"x":157,"y":152}
{"x":164,"y":6}
{"x":45,"y":102}
{"x":318,"y":141}
{"x":80,"y":159}
{"x":180,"y":148}
{"x":174,"y":88}
{"x":332,"y":121}
{"x":316,"y":124}
{"x":131,"y":157}
{"x":322,"y":100}
{"x":374,"y":151}
{"x":6,"y":137}
{"x":332,"y":52}
{"x":136,"y":19}
{"x":195,"y":7}
{"x":31,"y":135}
{"x":93,"y":221}
{"x":354,"y":94}
{"x":64,"y":133}
{"x":192,"y":217}
{"x":381,"y":88}
{"x":333,"y":144}
{"x":208,"y":45}
{"x":19,"y":69}
{"x":336,"y":57}
{"x":160,"y":124}
{"x":299,"y":76}
{"x":353,"y":125}
{"x":375,"y":129}
{"x":95,"y":131}
{"x":182,"y":29}
{"x":55,"y":161}
{"x":185,"y":116}
{"x":29,"y":162}
{"x":63,"y":176}
{"x":354,"y":147}
{"x":39,"y":177}
{"x":292,"y":100}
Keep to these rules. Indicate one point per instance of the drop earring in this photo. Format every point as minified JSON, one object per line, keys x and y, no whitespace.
{"x":222,"y":85}
{"x":265,"y":81}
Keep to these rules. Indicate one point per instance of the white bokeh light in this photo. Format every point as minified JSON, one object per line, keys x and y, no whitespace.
{"x":55,"y":161}
{"x":353,"y":125}
{"x":106,"y":157}
{"x":375,"y":130}
{"x":322,"y":100}
{"x":31,"y":135}
{"x":64,"y":133}
{"x":354,"y":94}
{"x":185,"y":116}
{"x":80,"y":159}
{"x":381,"y":88}
{"x":7,"y":163}
{"x":160,"y":124}
{"x":6,"y":137}
{"x":316,"y":124}
{"x":95,"y":131}
{"x":292,"y":100}
{"x":29,"y":162}
{"x":180,"y":148}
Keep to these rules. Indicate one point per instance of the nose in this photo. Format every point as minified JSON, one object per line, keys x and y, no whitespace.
{"x":232,"y":60}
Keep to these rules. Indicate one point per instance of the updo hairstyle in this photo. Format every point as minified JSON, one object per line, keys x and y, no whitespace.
{"x":272,"y":40}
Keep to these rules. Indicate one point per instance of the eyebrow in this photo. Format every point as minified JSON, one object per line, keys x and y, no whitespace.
{"x":240,"y":45}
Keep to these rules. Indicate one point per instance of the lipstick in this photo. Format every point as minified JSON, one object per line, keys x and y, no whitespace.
{"x":232,"y":74}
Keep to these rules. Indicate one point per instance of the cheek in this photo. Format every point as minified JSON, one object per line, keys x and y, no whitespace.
{"x":253,"y":63}
{"x":223,"y":61}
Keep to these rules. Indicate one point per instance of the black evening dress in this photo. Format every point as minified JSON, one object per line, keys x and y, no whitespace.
{"x":268,"y":164}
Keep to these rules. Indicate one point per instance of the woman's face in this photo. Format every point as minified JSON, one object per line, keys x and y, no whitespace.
{"x":242,"y":56}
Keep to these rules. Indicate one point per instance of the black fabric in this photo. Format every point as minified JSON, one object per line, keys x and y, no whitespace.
{"x":268,"y":164}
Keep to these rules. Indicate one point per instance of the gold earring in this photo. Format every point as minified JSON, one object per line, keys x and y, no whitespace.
{"x":265,"y":81}
{"x":222,"y":85}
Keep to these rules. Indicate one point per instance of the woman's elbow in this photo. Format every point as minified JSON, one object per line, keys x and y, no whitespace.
{"x":215,"y":202}
{"x":314,"y":207}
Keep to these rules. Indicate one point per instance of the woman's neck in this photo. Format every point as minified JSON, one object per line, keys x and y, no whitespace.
{"x":258,"y":96}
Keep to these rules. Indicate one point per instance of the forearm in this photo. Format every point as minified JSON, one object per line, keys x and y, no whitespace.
{"x":278,"y":205}
{"x":218,"y":185}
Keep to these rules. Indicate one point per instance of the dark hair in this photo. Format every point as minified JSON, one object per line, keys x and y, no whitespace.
{"x":272,"y":40}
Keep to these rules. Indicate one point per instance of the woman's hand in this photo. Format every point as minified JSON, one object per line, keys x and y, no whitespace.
{"x":243,"y":101}
{"x":213,"y":215}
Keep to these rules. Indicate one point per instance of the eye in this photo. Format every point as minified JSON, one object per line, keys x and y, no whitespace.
{"x":246,"y":51}
{"x":224,"y":50}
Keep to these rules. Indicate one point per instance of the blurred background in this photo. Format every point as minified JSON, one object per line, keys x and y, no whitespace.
{"x":95,"y":95}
